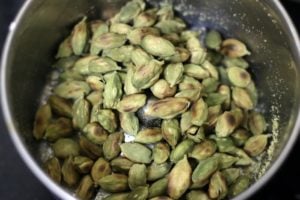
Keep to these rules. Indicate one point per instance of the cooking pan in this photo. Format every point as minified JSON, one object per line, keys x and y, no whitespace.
{"x":263,"y":24}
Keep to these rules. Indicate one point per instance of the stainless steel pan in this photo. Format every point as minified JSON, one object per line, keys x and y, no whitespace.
{"x":263,"y":24}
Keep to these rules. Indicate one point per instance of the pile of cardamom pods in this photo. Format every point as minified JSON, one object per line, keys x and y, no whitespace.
{"x":201,"y":93}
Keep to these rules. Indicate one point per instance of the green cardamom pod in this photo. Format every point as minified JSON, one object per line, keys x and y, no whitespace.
{"x":53,"y":169}
{"x":79,"y":37}
{"x":132,"y":103}
{"x":129,"y":122}
{"x":64,"y":148}
{"x":162,"y":89}
{"x":164,"y":49}
{"x":203,"y":150}
{"x":167,"y":108}
{"x":113,"y":90}
{"x":69,"y":172}
{"x":85,"y":189}
{"x":158,"y":188}
{"x":111,"y":147}
{"x":60,"y":106}
{"x":181,"y":150}
{"x":205,"y":169}
{"x":72,"y":89}
{"x":114,"y":183}
{"x":136,"y":152}
{"x":95,"y":133}
{"x":199,"y":112}
{"x":158,"y":171}
{"x":81,"y":113}
{"x":58,"y":128}
{"x":161,"y":152}
{"x":171,"y":131}
{"x":137,"y":176}
{"x":179,"y":178}
{"x":42,"y":120}
{"x":149,"y":136}
{"x":145,"y":76}
{"x":100,"y":169}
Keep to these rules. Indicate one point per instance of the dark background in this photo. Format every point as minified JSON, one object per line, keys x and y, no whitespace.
{"x":17,"y":182}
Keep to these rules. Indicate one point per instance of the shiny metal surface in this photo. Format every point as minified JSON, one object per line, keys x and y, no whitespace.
{"x":264,"y":25}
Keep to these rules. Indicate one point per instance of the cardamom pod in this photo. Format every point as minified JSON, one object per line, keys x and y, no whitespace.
{"x":79,"y":37}
{"x":42,"y":120}
{"x":203,"y":150}
{"x":145,"y":76}
{"x":139,"y":193}
{"x":234,"y":48}
{"x":239,"y":77}
{"x":217,"y":186}
{"x":85,"y":189}
{"x":239,"y":186}
{"x":107,"y":120}
{"x":132,"y":103}
{"x":189,"y":83}
{"x":197,"y":195}
{"x":242,"y":98}
{"x":137,"y":176}
{"x":256,"y":144}
{"x":112,"y":91}
{"x":81,"y":113}
{"x":173,"y":73}
{"x":136,"y":35}
{"x":149,"y":136}
{"x":60,"y":106}
{"x":199,"y":112}
{"x":111,"y":147}
{"x":114,"y":183}
{"x":120,"y":28}
{"x":83,"y":164}
{"x":136,"y":152}
{"x":69,"y":172}
{"x":186,"y":121}
{"x":81,"y":66}
{"x":95,"y":133}
{"x":171,"y":131}
{"x":167,"y":108}
{"x":158,"y":171}
{"x":158,"y":188}
{"x":213,"y":40}
{"x":161,"y":153}
{"x":231,"y":174}
{"x":164,"y":49}
{"x":102,"y":66}
{"x":65,"y":48}
{"x":90,"y":149}
{"x":53,"y":169}
{"x":72,"y":89}
{"x":107,"y":41}
{"x":121,"y":164}
{"x":145,"y":19}
{"x":257,"y":123}
{"x":181,"y":150}
{"x":195,"y":71}
{"x":129,"y":122}
{"x":122,"y":54}
{"x":100,"y":169}
{"x":171,"y":26}
{"x":129,"y":11}
{"x":162,"y":89}
{"x":64,"y":148}
{"x":205,"y":169}
{"x":179,"y":178}
{"x":58,"y":128}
